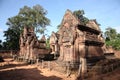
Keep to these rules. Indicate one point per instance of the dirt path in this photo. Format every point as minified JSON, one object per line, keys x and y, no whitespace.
{"x":11,"y":70}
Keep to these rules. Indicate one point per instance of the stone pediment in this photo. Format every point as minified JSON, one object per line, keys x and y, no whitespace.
{"x":92,"y":24}
{"x":53,"y":38}
{"x":43,"y":39}
{"x":68,"y":27}
{"x":69,"y":20}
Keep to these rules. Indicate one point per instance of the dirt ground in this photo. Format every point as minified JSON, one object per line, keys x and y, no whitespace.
{"x":117,"y":54}
{"x":12,"y":70}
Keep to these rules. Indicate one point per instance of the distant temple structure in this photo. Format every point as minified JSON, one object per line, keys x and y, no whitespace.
{"x":77,"y":44}
{"x":30,"y":47}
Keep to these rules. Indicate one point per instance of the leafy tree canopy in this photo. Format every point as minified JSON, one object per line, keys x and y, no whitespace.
{"x":0,"y":44}
{"x":80,"y":15}
{"x":27,"y":17}
{"x":30,"y":17}
{"x":112,"y":38}
{"x":110,"y":33}
{"x":12,"y":39}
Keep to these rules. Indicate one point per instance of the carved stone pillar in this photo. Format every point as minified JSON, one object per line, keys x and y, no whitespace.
{"x":83,"y":63}
{"x":56,"y":48}
{"x":61,"y":53}
{"x":31,"y":49}
{"x":27,"y":49}
{"x":82,"y":68}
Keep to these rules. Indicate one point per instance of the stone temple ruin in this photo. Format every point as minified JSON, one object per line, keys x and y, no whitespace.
{"x":77,"y":44}
{"x":30,"y":47}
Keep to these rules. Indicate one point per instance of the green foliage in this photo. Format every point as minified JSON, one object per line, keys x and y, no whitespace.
{"x":12,"y":39}
{"x":112,"y":38}
{"x":27,"y":17}
{"x":41,"y":31}
{"x":110,"y":33}
{"x":114,"y":43}
{"x":80,"y":15}
{"x":58,"y":26}
{"x":30,"y":17}
{"x":47,"y":43}
{"x":0,"y":44}
{"x":118,"y":35}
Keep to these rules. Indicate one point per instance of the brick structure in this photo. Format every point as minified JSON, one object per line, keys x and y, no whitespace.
{"x":77,"y":44}
{"x":30,"y":47}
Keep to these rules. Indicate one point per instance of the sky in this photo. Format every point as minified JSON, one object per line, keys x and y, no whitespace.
{"x":107,"y":12}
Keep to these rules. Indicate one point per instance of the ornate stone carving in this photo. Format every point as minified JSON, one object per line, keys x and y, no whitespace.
{"x":30,"y":46}
{"x":77,"y":42}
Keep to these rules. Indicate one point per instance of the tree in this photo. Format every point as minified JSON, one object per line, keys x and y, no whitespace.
{"x":58,"y":26}
{"x":30,"y":17}
{"x":48,"y":43}
{"x":118,"y":35}
{"x":112,"y":38}
{"x":12,"y":39}
{"x":0,"y":44}
{"x":110,"y":33}
{"x":27,"y":17}
{"x":79,"y":14}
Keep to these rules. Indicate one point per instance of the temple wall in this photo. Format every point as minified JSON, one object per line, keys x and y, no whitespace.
{"x":77,"y":42}
{"x":61,"y":57}
{"x":95,"y":51}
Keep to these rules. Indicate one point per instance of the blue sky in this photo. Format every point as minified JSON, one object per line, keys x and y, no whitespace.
{"x":107,"y":12}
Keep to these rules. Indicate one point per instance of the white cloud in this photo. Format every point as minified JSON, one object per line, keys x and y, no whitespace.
{"x":117,"y":29}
